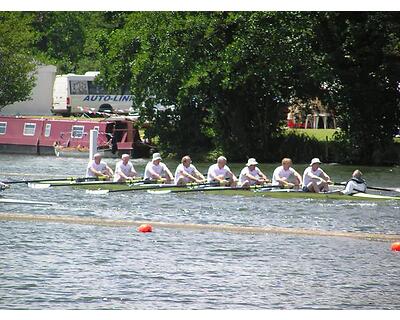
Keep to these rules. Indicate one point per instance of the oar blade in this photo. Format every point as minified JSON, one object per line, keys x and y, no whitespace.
{"x":159,"y":192}
{"x":98,"y":192}
{"x":39,"y":185}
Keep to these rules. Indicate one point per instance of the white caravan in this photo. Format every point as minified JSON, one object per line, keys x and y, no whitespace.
{"x":77,"y":94}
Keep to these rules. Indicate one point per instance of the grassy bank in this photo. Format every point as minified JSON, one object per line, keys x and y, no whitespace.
{"x":318,"y":134}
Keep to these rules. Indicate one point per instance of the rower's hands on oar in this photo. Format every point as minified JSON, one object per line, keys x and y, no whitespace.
{"x":287,"y":185}
{"x":263,"y":181}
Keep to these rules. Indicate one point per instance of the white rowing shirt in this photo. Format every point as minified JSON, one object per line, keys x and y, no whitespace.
{"x":214,"y":171}
{"x":102,"y":166}
{"x":178,"y":172}
{"x":280,"y":173}
{"x":307,"y":179}
{"x":160,"y":169}
{"x":127,"y":170}
{"x":246,"y":170}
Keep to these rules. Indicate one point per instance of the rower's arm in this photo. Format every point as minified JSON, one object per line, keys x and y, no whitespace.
{"x":251,"y":177}
{"x":171,"y":176}
{"x":326,"y":177}
{"x":232,"y":175}
{"x":154,"y":174}
{"x":299,"y":177}
{"x":264,"y":177}
{"x":95,"y":172}
{"x":185,"y":174}
{"x":109,"y":170}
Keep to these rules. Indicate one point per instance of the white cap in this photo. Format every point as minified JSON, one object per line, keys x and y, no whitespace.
{"x":315,"y":160}
{"x":251,"y":162}
{"x":156,"y":156}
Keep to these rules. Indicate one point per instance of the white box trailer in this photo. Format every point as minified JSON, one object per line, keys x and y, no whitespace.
{"x":77,"y":94}
{"x":41,"y":99}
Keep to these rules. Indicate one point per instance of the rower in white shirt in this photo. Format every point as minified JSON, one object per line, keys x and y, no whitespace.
{"x":220,"y":172}
{"x":315,"y":179}
{"x":156,"y":170}
{"x":186,"y":172}
{"x":252,"y":175}
{"x":285,"y":176}
{"x":124,"y":170}
{"x":98,"y":168}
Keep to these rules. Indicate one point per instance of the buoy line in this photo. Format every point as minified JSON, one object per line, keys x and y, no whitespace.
{"x":194,"y":226}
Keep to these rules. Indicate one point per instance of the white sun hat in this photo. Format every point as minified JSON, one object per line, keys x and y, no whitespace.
{"x":156,"y":156}
{"x":315,"y":160}
{"x":251,"y":162}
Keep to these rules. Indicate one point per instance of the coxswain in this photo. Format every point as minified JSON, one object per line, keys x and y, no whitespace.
{"x":355,"y":184}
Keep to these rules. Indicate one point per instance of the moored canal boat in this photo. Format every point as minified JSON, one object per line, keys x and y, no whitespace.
{"x":40,"y":135}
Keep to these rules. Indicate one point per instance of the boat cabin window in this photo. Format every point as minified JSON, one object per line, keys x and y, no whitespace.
{"x":77,"y":131}
{"x":78,"y":87}
{"x":47,"y":130}
{"x":3,"y":127}
{"x":29,"y":129}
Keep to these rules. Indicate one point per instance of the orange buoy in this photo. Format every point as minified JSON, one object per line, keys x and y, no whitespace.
{"x":145,"y":228}
{"x":396,"y":246}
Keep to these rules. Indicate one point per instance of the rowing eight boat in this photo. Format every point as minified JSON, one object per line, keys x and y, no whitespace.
{"x":104,"y":187}
{"x":278,"y":193}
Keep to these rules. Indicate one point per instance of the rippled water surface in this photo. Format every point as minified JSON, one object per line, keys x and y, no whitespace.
{"x":47,"y":265}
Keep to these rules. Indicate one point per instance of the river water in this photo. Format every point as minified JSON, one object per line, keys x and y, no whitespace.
{"x":47,"y":265}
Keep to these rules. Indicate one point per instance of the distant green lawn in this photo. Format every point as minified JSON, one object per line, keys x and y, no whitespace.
{"x":319,"y":134}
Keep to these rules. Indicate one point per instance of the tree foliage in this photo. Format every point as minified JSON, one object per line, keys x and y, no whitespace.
{"x":16,"y":62}
{"x":227,"y":76}
{"x":363,"y":49}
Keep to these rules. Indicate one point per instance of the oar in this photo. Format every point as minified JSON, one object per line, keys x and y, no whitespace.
{"x":153,"y":186}
{"x":84,"y":183}
{"x":215,"y":188}
{"x":372,"y":188}
{"x":51,"y":180}
{"x":17,"y":201}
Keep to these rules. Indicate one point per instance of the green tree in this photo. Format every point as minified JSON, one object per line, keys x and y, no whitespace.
{"x":363,"y":49}
{"x":60,"y":38}
{"x":228,"y":75}
{"x":16,"y":63}
{"x":151,"y":55}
